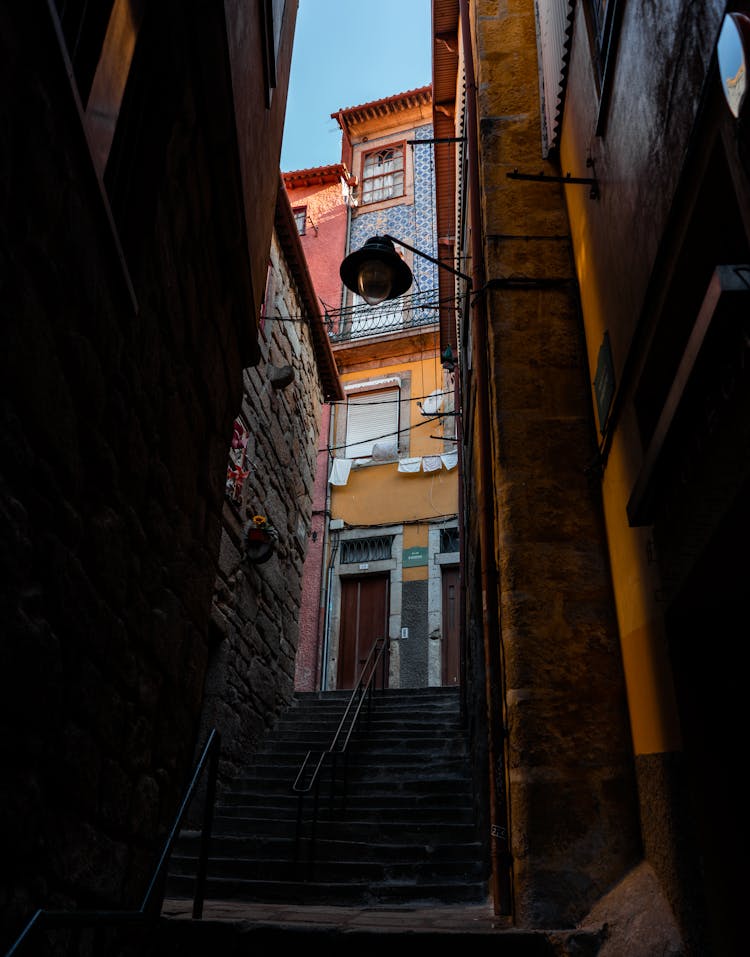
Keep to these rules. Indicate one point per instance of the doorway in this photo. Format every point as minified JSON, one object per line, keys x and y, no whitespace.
{"x":365,"y":605}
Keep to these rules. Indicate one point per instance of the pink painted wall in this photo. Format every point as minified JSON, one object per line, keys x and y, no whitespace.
{"x":324,"y":246}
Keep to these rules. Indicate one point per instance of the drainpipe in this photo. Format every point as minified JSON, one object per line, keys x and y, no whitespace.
{"x":322,"y":586}
{"x":494,"y":685}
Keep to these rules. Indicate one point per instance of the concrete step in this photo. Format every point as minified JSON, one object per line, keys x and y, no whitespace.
{"x":405,"y":831}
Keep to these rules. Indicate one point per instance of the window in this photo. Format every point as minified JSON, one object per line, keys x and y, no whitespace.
{"x":383,"y":174}
{"x":372,"y":423}
{"x":366,"y":549}
{"x":449,"y":539}
{"x":300,"y":218}
{"x":272,"y":12}
{"x":603,"y":21}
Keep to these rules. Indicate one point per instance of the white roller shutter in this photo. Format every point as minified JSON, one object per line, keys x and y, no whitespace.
{"x":371,"y":417}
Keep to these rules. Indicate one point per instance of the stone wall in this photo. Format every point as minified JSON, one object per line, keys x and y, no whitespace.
{"x":555,"y":675}
{"x":120,"y":375}
{"x":256,"y":606}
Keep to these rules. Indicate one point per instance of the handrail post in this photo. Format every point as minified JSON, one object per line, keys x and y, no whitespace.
{"x":366,"y":684}
{"x":313,"y":824}
{"x":334,"y":768}
{"x":208,"y":816}
{"x":299,"y":828}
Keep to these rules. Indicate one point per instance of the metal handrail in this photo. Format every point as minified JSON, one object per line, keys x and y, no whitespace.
{"x":308,"y":776}
{"x":154,"y":895}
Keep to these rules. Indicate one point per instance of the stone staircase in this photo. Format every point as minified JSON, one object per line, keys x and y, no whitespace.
{"x":396,"y":824}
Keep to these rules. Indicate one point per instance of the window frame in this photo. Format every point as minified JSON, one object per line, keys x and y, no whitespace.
{"x":363,"y":180}
{"x":300,"y":218}
{"x":604,"y":33}
{"x":366,"y":399}
{"x":272,"y":16}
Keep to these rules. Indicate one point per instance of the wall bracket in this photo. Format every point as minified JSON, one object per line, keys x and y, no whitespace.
{"x":567,"y":179}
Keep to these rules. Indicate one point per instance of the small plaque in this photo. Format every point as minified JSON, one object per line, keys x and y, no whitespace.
{"x":414,"y":556}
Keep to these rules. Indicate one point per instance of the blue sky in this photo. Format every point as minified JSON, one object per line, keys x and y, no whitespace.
{"x":348,"y":52}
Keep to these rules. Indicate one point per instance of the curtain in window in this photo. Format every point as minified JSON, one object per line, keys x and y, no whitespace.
{"x":383,"y":174}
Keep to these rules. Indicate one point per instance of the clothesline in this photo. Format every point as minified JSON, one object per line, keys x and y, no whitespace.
{"x":341,"y":468}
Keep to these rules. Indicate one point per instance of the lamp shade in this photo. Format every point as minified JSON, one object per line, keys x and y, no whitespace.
{"x":376,"y":271}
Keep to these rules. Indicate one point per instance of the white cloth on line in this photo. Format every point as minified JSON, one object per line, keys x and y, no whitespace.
{"x":410,"y":465}
{"x":450,"y":459}
{"x":432,"y":463}
{"x":340,"y":470}
{"x":385,"y":451}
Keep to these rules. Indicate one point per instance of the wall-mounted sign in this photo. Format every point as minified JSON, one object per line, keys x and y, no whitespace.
{"x":414,"y":556}
{"x":732,"y":54}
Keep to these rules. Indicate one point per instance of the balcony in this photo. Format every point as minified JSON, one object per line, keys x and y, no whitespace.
{"x":405,"y":314}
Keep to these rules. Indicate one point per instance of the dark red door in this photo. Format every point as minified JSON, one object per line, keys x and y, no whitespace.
{"x":451,"y":643}
{"x":364,"y":619}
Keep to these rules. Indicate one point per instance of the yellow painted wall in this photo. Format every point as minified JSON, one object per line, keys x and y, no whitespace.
{"x":651,"y":696}
{"x":416,"y":536}
{"x":380,"y":494}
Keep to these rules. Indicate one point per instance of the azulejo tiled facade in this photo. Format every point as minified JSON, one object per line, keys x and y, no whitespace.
{"x":414,"y":220}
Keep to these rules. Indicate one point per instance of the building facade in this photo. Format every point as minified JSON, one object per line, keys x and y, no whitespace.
{"x":597,"y":194}
{"x":319,"y":203}
{"x":392,"y":471}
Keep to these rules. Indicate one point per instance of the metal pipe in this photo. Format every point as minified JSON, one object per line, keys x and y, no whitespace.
{"x":486,"y":518}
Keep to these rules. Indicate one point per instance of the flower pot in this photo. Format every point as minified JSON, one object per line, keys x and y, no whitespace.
{"x":259,"y":545}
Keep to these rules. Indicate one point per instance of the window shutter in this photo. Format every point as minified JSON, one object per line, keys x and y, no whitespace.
{"x":370,"y":418}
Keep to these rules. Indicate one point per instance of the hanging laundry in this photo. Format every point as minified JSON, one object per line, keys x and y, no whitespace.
{"x":433,"y":403}
{"x":450,"y":459}
{"x":410,"y":465}
{"x":340,"y":470}
{"x":385,"y":451}
{"x":432,"y":463}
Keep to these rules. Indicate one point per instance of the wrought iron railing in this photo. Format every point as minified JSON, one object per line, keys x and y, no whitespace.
{"x":399,"y":315}
{"x":308,"y":777}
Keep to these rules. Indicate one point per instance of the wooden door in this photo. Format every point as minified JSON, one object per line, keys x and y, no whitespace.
{"x":451,"y":642}
{"x":364,"y":618}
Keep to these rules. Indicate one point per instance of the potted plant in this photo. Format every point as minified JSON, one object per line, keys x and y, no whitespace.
{"x":260,"y":539}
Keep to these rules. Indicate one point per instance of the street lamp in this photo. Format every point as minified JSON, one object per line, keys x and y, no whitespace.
{"x":376,"y":272}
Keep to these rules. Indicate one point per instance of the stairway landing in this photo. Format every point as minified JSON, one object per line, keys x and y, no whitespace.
{"x":458,"y":918}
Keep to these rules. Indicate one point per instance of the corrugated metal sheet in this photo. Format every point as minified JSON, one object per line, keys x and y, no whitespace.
{"x":555,"y":24}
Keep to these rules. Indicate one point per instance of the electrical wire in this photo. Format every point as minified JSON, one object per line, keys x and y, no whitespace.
{"x":388,"y":435}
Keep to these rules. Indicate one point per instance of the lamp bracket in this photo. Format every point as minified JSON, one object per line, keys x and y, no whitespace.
{"x":442,"y":139}
{"x":436,"y":262}
{"x":567,"y":179}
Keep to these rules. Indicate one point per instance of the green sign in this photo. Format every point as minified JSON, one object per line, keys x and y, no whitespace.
{"x":414,"y":556}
